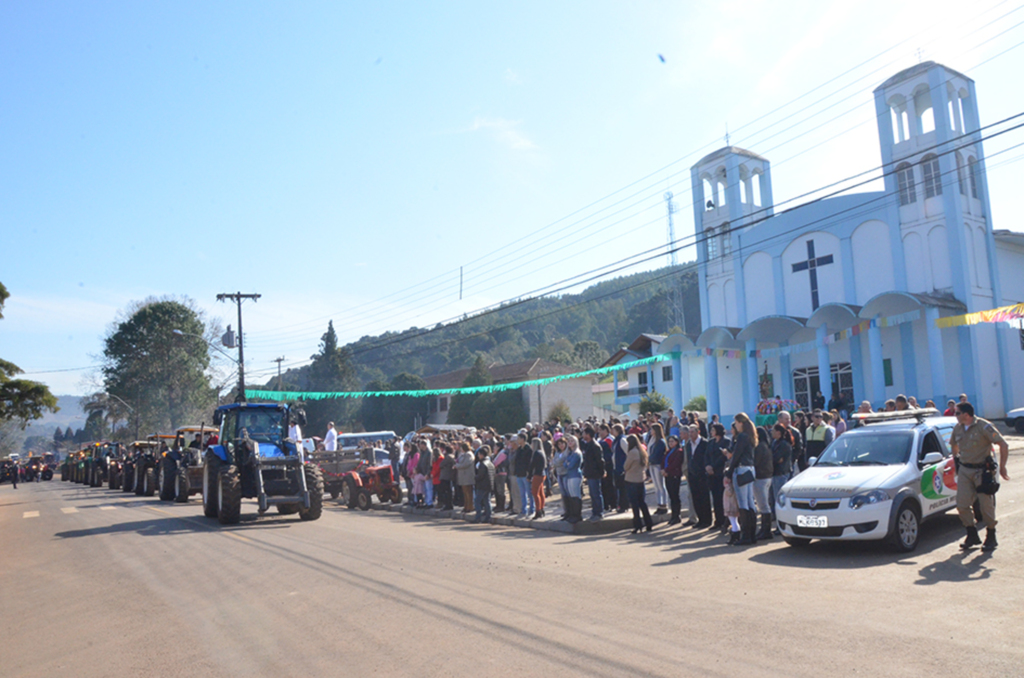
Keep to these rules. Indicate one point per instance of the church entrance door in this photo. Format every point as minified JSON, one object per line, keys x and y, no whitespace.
{"x":806,"y":383}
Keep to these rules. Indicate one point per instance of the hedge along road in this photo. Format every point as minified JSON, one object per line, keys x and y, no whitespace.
{"x":98,"y":583}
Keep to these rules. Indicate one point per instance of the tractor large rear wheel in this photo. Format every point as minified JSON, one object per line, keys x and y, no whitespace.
{"x":140,"y":478}
{"x":168,"y":471}
{"x":349,"y":490}
{"x":229,"y":497}
{"x":315,"y":486}
{"x":211,"y":480}
{"x":127,"y":478}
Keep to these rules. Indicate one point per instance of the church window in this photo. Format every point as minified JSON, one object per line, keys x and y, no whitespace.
{"x":709,"y":195}
{"x":960,"y":174}
{"x":666,"y":373}
{"x":923,"y":108}
{"x":711,"y":243}
{"x":721,"y":192}
{"x":726,"y":239}
{"x":932,"y":176}
{"x":972,"y":171}
{"x":641,"y":383}
{"x":443,"y":404}
{"x":905,"y":180}
{"x":743,"y":191}
{"x":755,"y":185}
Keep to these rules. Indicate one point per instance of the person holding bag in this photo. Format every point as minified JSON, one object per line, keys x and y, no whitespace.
{"x":741,"y":465}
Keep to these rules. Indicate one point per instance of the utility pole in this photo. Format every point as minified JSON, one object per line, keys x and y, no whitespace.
{"x":278,"y":361}
{"x":238,"y":298}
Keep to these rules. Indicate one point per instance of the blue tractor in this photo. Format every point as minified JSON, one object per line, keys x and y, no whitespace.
{"x":255,"y":459}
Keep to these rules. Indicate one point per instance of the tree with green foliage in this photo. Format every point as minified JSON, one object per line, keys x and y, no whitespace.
{"x":462,"y":403}
{"x":559,"y":412}
{"x":653,"y":401}
{"x":21,"y":400}
{"x":331,"y":370}
{"x":394,"y":413}
{"x":503,"y":411}
{"x":697,"y":404}
{"x":163,"y":374}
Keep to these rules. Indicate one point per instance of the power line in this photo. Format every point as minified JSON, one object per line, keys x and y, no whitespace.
{"x":450,"y":275}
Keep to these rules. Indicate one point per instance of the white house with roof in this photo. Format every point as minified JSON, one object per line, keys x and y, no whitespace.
{"x":677,"y":376}
{"x":850,"y":286}
{"x":538,"y":399}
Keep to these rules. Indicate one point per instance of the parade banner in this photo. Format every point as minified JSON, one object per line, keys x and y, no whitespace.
{"x":995,"y":315}
{"x":282,"y":396}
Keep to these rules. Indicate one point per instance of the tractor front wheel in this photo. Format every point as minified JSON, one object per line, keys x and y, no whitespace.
{"x":315,"y":486}
{"x":181,"y":486}
{"x":211,"y":478}
{"x":229,"y":498}
{"x":168,"y":473}
{"x":364,"y":499}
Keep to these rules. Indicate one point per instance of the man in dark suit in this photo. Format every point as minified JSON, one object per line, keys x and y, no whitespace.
{"x":697,"y":478}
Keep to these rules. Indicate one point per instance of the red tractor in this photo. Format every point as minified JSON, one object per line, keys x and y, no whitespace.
{"x":364,"y":481}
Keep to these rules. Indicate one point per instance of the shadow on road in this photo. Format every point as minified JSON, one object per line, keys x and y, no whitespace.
{"x":157,"y":527}
{"x":936,"y":534}
{"x":957,"y":568}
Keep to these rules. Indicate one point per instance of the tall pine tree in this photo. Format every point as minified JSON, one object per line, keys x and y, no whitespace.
{"x":331,"y":370}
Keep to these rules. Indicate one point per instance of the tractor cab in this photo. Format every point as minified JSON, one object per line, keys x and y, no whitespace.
{"x":183,"y":462}
{"x":134,"y":451}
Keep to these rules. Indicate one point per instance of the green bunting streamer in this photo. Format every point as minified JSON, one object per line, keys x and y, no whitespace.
{"x":285,"y":396}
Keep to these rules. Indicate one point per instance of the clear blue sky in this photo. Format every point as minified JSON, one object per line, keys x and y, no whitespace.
{"x":344,"y":160}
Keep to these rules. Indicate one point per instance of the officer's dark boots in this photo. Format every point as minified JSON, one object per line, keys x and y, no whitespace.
{"x":990,"y":540}
{"x":972,"y":539}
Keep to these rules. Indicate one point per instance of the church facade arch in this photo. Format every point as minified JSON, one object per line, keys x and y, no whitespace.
{"x":938,"y":257}
{"x":919,"y":270}
{"x":812,"y":272}
{"x":873,"y":271}
{"x":759,"y":285}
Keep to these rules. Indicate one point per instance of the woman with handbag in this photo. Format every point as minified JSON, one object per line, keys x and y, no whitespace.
{"x":744,"y":440}
{"x":635,"y":468}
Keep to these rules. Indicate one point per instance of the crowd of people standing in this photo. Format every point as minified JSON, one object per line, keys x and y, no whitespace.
{"x":732,"y":472}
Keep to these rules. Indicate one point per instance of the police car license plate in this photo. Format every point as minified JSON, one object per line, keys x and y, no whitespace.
{"x":812,"y":521}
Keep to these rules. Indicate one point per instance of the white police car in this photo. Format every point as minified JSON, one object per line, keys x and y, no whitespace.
{"x":1015,"y":419}
{"x":875,"y":482}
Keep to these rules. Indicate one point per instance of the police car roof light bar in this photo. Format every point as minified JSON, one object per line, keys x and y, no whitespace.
{"x":920,"y":413}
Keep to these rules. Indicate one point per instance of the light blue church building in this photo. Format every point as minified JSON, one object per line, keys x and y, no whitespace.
{"x":851,"y":286}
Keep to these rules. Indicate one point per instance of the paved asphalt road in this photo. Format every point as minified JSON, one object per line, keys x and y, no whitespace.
{"x":97,"y":583}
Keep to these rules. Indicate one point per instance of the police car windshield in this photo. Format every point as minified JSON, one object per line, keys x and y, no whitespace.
{"x":868,"y":449}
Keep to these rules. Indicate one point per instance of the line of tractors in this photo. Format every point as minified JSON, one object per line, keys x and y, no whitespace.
{"x":246,"y":454}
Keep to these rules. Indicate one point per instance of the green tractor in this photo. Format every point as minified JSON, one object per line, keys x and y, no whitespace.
{"x":254,"y":459}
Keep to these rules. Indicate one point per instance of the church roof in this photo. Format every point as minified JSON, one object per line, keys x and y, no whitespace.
{"x":914,"y":71}
{"x":727,"y":150}
{"x":1010,"y":237}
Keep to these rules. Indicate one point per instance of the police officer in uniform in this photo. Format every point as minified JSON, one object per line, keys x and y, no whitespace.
{"x":971,"y":441}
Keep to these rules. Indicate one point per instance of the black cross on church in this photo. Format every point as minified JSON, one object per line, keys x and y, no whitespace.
{"x":812,"y":265}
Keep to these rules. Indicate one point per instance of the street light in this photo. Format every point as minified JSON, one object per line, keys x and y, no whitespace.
{"x":131,"y":410}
